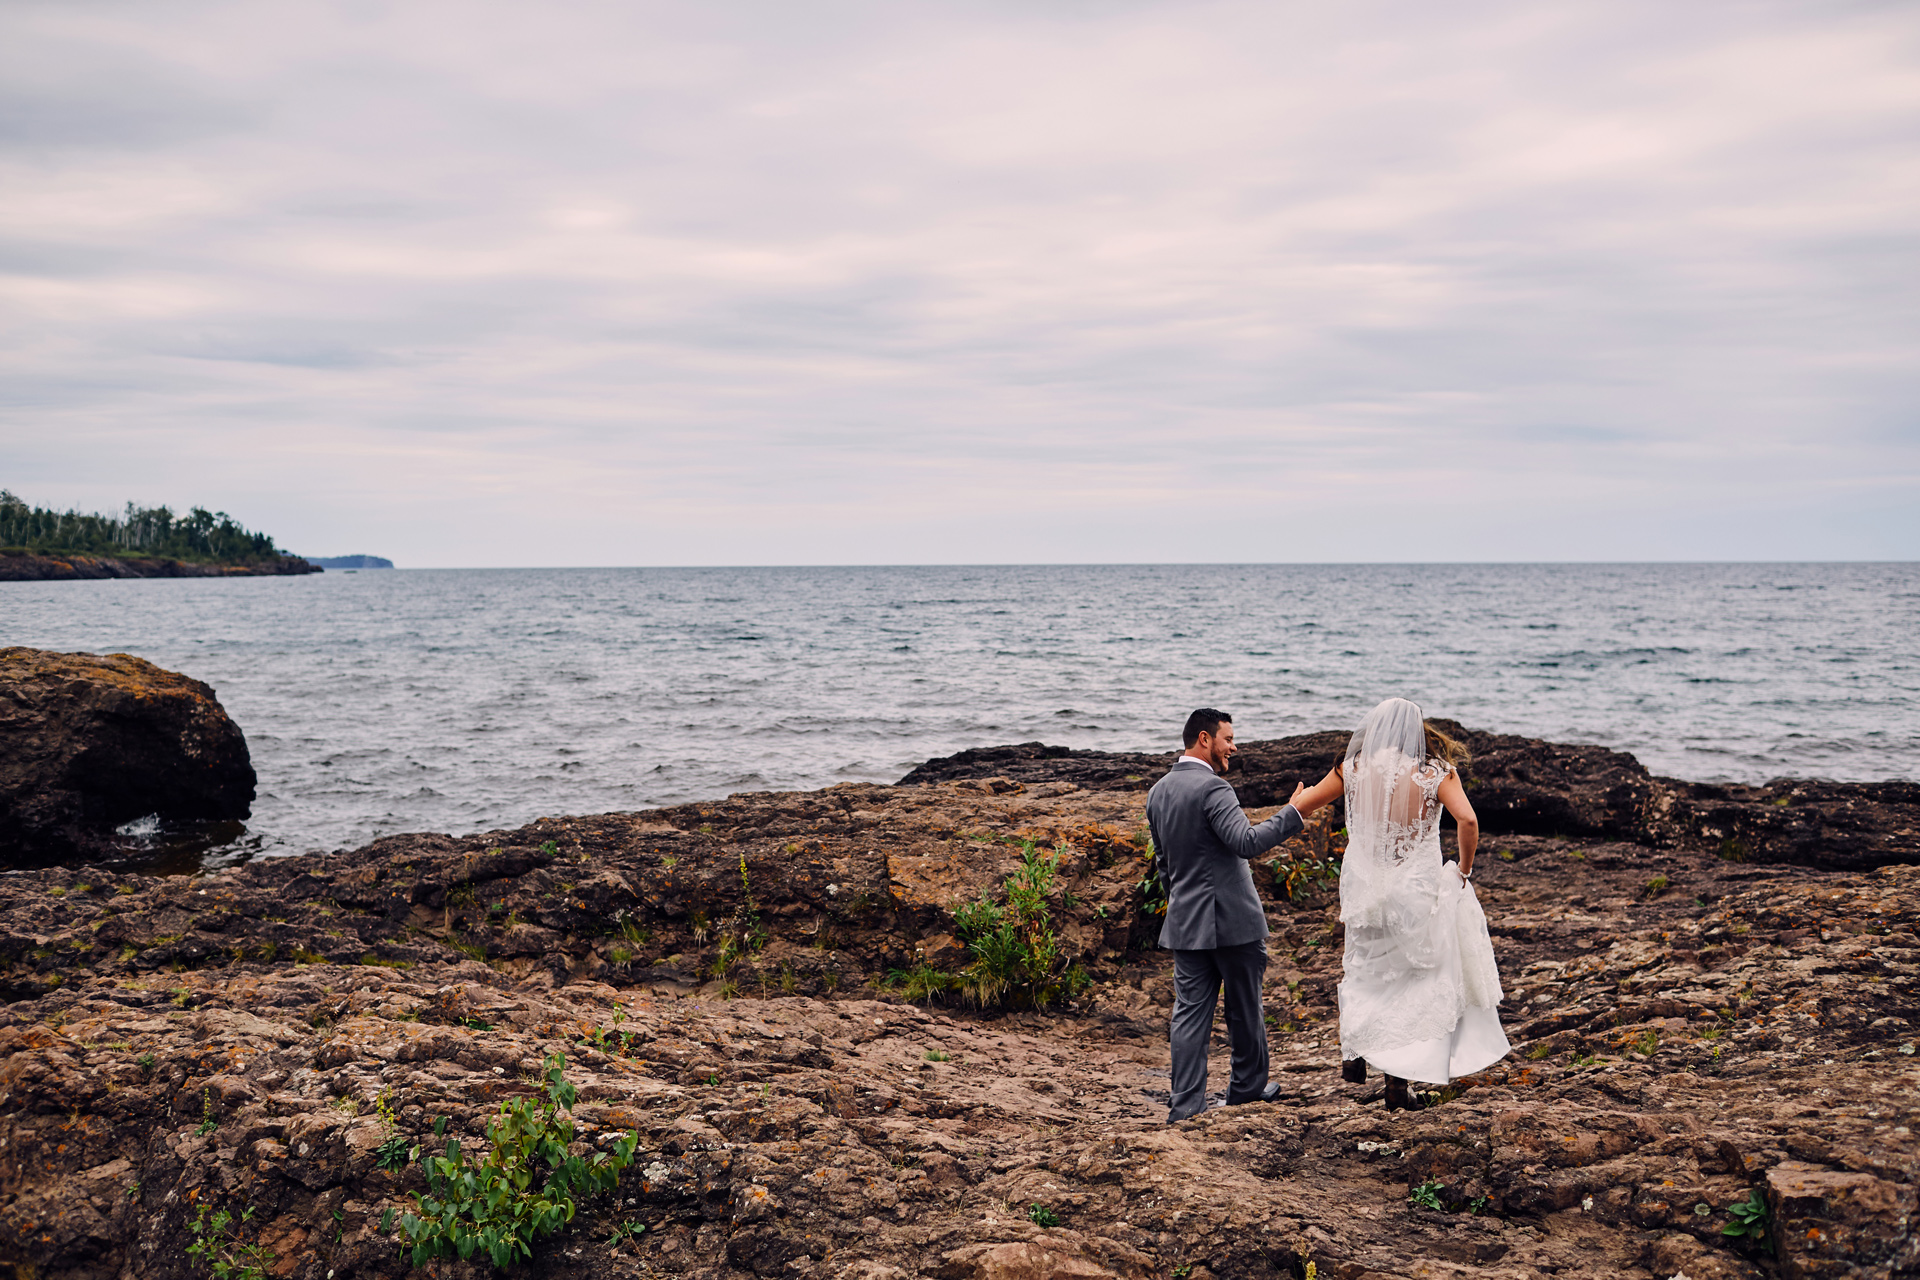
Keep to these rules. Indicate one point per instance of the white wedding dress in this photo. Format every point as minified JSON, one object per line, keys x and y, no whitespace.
{"x":1420,"y":996}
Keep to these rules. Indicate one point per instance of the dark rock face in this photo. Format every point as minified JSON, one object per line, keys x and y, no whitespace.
{"x":1524,"y":786}
{"x":1842,"y":826}
{"x":88,"y":743}
{"x":37,"y":566}
{"x":1031,"y":762}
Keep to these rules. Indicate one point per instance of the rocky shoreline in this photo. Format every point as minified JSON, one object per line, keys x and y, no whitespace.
{"x":1710,"y":992}
{"x":37,"y":566}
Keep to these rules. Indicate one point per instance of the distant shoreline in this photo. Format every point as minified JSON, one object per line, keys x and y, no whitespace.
{"x":58,"y":566}
{"x":350,"y":562}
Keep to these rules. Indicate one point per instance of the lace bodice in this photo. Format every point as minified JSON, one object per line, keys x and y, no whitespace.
{"x":1392,"y":865}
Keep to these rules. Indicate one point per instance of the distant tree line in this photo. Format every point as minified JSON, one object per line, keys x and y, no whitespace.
{"x":142,"y":531}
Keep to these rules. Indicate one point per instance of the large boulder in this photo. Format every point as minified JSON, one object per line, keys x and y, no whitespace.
{"x":89,"y":743}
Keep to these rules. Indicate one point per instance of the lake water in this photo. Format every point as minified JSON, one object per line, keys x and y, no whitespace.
{"x":465,"y":700}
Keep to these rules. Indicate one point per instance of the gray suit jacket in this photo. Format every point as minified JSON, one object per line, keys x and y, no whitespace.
{"x":1202,"y":843}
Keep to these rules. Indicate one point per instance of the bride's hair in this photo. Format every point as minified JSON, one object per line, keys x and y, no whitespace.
{"x":1447,"y":750}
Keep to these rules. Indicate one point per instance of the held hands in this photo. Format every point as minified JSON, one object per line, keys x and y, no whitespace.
{"x":1294,"y":800}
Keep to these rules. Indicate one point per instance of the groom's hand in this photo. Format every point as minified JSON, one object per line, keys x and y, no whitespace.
{"x":1298,"y":787}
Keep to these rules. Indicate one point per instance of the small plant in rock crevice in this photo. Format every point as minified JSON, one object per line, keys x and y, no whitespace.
{"x":1041,"y":1216}
{"x":393,"y":1152}
{"x":1749,"y":1220}
{"x":1426,"y":1196}
{"x":921,"y":983}
{"x":225,"y":1257}
{"x":1153,"y":893}
{"x":500,"y":1204}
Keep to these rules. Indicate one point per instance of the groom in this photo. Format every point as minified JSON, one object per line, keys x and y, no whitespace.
{"x":1216,"y":927}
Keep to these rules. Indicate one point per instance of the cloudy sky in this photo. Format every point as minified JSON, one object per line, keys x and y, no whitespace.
{"x":476,"y":283}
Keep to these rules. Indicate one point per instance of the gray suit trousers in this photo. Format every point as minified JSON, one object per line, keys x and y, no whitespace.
{"x":1198,"y":977}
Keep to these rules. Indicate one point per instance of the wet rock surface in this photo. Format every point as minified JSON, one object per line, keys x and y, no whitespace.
{"x":1688,"y":1029}
{"x":90,"y":742}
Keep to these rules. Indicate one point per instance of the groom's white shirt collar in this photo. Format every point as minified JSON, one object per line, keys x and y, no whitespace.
{"x":1193,"y":760}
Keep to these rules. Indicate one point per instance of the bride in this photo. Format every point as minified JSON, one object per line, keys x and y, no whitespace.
{"x":1420,"y":995}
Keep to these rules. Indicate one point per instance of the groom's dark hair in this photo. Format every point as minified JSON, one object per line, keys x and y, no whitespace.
{"x":1205,"y":720}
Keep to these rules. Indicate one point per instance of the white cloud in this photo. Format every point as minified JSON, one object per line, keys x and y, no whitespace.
{"x":759,"y":283}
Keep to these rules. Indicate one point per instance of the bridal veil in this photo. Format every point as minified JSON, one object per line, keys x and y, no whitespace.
{"x":1420,"y":991}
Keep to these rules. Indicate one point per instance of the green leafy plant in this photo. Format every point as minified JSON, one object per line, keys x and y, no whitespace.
{"x":393,"y":1152}
{"x":227,"y":1258}
{"x":922,"y":982}
{"x":1153,"y":893}
{"x":207,"y":1123}
{"x":145,"y":1063}
{"x":937,"y":1055}
{"x":1041,"y":1216}
{"x":1749,"y":1219}
{"x":1426,"y":1196}
{"x":626,"y":1231}
{"x":525,"y":1187}
{"x":1016,"y":952}
{"x":1298,"y":876}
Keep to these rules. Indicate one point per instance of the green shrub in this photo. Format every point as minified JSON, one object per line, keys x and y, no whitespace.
{"x":1426,"y":1196}
{"x":500,"y":1204}
{"x":1041,"y":1216}
{"x":227,"y":1258}
{"x":1016,"y":953}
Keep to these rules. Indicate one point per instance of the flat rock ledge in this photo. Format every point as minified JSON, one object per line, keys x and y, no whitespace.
{"x":1688,"y":1030}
